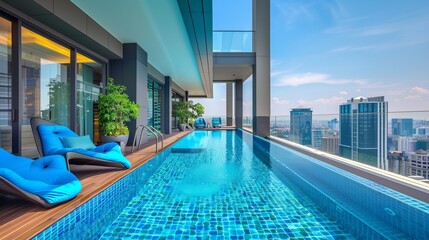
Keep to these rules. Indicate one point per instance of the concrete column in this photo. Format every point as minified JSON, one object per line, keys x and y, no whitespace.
{"x":131,"y":71}
{"x":239,"y":103}
{"x":261,"y":70}
{"x":166,"y":105}
{"x":229,"y":104}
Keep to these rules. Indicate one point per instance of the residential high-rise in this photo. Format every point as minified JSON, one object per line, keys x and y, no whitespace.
{"x":407,"y":144}
{"x":317,"y":134}
{"x":301,"y":125}
{"x":402,"y":127}
{"x":419,"y":163}
{"x":330,"y":144}
{"x":363,"y":130}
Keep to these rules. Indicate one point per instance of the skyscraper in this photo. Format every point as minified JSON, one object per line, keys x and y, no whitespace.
{"x":363,"y":130}
{"x":317,"y":134}
{"x":330,"y":144}
{"x":301,"y":125}
{"x":402,"y":127}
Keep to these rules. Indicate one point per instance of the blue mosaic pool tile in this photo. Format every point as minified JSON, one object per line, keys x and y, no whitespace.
{"x":229,"y":194}
{"x":338,"y":187}
{"x":211,"y":196}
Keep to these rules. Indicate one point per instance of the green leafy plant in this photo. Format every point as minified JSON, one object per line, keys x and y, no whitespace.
{"x":186,"y":110}
{"x":115,"y":109}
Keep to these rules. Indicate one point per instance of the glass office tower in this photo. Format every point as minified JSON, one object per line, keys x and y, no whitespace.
{"x":363,"y":130}
{"x":301,"y":125}
{"x":402,"y":127}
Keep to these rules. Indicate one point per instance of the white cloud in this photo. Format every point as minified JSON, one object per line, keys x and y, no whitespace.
{"x":343,"y":93}
{"x":278,"y":101}
{"x":419,"y":90}
{"x":323,"y":101}
{"x":311,"y":78}
{"x":412,"y":97}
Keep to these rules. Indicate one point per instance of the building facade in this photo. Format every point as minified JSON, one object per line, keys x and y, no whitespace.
{"x":407,"y":144}
{"x":330,"y":144}
{"x":419,"y":164}
{"x":316,"y":138}
{"x":301,"y":126}
{"x":56,"y":57}
{"x":402,"y":127}
{"x":363,"y":130}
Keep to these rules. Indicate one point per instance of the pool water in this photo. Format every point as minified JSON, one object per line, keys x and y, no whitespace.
{"x":234,"y":185}
{"x":224,"y":192}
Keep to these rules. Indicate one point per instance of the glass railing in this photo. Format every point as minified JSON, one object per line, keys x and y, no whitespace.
{"x":232,"y":41}
{"x":400,"y":146}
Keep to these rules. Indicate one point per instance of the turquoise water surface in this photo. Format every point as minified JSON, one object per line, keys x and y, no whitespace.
{"x":224,"y":192}
{"x":234,"y":185}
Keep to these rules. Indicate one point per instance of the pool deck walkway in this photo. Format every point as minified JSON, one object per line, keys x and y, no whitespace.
{"x":20,"y":219}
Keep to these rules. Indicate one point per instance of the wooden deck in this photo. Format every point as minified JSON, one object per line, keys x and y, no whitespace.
{"x":22,"y":220}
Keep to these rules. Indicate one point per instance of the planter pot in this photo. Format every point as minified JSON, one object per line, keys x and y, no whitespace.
{"x":121,"y":140}
{"x":182,"y":127}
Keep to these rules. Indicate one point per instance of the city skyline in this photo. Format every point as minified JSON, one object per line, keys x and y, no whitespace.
{"x":324,"y":53}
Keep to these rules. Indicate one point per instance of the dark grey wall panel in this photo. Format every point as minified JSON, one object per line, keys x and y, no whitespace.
{"x":96,"y":32}
{"x":179,"y":90}
{"x":47,"y":4}
{"x":132,"y":72}
{"x":71,"y":14}
{"x":166,"y":106}
{"x":159,"y":77}
{"x":68,"y":20}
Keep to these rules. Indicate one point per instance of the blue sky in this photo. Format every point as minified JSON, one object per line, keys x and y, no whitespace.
{"x":324,"y":52}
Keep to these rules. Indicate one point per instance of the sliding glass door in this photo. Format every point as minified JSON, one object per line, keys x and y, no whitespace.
{"x":89,"y":79}
{"x":5,"y":84}
{"x":46,"y":85}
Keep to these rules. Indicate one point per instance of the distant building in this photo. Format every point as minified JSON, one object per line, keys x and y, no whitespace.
{"x":397,"y":163}
{"x":317,"y":138}
{"x":333,"y":124}
{"x":421,"y":131}
{"x":419,"y":164}
{"x":300,"y":125}
{"x":407,"y":144}
{"x":330,"y":144}
{"x":363,"y":130}
{"x":402,"y":127}
{"x":392,"y":143}
{"x":423,"y":144}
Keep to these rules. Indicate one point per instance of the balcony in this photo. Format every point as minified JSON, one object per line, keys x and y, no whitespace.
{"x":232,"y":41}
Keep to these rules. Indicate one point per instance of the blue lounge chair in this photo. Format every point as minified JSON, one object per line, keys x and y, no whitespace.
{"x":200,"y":123}
{"x":216,"y":122}
{"x":54,"y":139}
{"x":45,"y":181}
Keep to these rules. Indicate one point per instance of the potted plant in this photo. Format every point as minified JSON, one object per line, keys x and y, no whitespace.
{"x":186,"y":110}
{"x":116,"y":109}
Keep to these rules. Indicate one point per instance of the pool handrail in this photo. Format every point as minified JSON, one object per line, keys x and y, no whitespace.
{"x":151,"y":129}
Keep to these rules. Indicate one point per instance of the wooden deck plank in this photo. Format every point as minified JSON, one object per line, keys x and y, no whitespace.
{"x":22,"y":220}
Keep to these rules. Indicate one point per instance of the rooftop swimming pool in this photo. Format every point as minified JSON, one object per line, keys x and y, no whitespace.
{"x":239,"y":186}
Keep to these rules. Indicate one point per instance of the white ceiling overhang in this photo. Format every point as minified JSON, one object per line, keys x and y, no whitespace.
{"x":158,"y":27}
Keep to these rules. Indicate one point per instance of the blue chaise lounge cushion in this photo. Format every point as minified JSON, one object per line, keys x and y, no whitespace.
{"x":51,"y":136}
{"x":200,"y":122}
{"x":45,"y":177}
{"x":83,"y":142}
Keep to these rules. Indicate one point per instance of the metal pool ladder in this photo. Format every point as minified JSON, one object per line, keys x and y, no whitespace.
{"x":151,"y":129}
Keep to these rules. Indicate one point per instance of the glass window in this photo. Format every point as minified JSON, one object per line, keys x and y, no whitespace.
{"x":5,"y":85}
{"x":46,"y":84}
{"x":154,"y":100}
{"x":89,"y":79}
{"x":175,"y":97}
